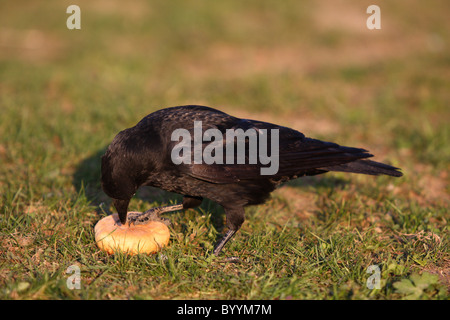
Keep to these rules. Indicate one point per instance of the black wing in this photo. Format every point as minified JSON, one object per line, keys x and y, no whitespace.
{"x":297,"y":156}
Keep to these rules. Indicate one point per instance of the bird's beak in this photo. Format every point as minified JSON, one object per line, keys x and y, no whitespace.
{"x":122,"y":209}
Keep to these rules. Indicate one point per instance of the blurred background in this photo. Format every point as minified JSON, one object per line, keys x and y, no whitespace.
{"x":310,"y":65}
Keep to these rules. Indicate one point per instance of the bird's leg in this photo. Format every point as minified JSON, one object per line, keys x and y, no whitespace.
{"x":152,"y":214}
{"x":219,"y":246}
{"x":235,"y":218}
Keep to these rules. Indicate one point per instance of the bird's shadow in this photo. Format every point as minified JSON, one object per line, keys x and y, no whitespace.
{"x":87,"y":176}
{"x":86,"y":179}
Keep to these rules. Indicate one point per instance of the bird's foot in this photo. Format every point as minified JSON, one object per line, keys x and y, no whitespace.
{"x":232,"y":260}
{"x":139,"y":218}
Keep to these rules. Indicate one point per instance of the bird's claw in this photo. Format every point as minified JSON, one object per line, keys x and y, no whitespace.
{"x":140,"y":218}
{"x":132,"y":218}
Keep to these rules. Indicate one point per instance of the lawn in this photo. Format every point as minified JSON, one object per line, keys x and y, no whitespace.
{"x":310,"y":65}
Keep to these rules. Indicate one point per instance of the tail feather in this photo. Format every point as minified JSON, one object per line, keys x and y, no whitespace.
{"x":366,"y":167}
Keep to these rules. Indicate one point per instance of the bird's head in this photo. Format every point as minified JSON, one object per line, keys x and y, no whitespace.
{"x":118,"y":174}
{"x":129,"y":161}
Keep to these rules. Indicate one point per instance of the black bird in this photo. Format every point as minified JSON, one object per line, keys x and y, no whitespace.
{"x":143,"y":156}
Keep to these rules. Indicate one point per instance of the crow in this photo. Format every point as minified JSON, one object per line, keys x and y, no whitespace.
{"x":149,"y":154}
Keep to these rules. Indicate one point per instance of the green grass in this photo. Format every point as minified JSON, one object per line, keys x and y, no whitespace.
{"x":65,"y":94}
